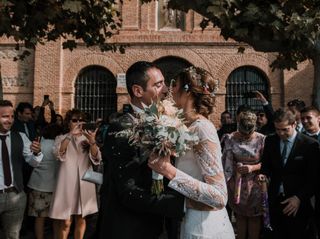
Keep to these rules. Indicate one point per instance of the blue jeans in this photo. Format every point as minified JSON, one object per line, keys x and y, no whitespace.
{"x":12,"y":207}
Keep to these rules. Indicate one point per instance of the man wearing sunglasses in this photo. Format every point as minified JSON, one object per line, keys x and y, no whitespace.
{"x":290,"y":162}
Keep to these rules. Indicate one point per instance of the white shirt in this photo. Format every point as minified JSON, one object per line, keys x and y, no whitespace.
{"x":136,"y":109}
{"x":44,"y":176}
{"x":28,"y":155}
{"x":315,"y":134}
{"x":289,"y":148}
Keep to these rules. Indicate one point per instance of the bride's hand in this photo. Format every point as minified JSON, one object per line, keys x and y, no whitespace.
{"x":162,"y":165}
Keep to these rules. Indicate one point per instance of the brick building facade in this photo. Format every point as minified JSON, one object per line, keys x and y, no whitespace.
{"x":152,"y":37}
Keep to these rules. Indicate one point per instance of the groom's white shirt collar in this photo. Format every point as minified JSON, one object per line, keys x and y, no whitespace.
{"x":136,"y":109}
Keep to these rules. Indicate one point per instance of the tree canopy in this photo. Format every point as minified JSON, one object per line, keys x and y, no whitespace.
{"x":291,"y":28}
{"x":32,"y":22}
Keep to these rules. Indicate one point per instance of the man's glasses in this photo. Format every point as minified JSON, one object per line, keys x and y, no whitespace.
{"x":77,"y":120}
{"x":261,"y":115}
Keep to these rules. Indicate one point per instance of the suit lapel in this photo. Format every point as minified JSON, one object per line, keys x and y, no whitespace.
{"x":276,"y":152}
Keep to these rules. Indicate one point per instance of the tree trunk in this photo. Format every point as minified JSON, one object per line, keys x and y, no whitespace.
{"x":316,"y":82}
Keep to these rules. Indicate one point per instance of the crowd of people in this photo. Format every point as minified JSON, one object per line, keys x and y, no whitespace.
{"x":43,"y":163}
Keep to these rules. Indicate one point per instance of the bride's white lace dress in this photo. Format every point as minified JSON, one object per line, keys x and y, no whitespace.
{"x":200,"y":178}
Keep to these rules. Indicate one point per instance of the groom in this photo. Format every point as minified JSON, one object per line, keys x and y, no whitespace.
{"x":128,"y":209}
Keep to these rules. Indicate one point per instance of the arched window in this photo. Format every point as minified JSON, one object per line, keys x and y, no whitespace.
{"x":95,"y":92}
{"x":170,"y":66}
{"x":242,"y":81}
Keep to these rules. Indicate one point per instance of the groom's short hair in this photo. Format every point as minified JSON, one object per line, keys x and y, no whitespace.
{"x":137,"y":75}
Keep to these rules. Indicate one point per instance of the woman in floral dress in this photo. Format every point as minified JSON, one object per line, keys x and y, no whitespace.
{"x":241,"y":157}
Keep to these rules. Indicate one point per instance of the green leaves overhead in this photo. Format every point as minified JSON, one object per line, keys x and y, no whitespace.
{"x":290,"y":27}
{"x":37,"y":21}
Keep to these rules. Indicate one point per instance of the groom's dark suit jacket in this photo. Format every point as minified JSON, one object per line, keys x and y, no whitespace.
{"x":128,"y":209}
{"x":298,"y":175}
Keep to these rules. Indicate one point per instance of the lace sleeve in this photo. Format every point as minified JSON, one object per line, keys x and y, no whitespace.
{"x":212,"y":191}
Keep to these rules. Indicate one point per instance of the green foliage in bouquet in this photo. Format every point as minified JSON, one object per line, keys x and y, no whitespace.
{"x":160,"y":129}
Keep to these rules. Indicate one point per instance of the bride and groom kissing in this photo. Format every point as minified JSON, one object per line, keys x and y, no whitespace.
{"x":196,"y":192}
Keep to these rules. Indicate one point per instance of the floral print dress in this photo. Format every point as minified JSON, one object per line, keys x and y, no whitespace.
{"x":246,"y":152}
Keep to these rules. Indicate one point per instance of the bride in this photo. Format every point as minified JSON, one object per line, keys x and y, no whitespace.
{"x":198,"y":174}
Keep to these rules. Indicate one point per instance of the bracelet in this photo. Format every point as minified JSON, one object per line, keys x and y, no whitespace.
{"x":93,"y":143}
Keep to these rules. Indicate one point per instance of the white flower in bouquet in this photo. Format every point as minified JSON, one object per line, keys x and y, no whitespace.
{"x":160,"y":130}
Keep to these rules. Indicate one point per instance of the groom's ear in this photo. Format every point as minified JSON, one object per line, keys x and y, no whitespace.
{"x":137,"y":91}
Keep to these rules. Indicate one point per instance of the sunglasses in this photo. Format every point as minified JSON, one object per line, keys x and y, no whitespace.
{"x":261,"y":115}
{"x":77,"y":120}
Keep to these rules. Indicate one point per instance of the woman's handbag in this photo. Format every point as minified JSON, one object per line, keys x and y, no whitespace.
{"x":94,"y":176}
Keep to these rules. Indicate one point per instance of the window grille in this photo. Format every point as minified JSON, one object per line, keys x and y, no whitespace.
{"x":95,"y":92}
{"x":241,"y":81}
{"x":170,"y":66}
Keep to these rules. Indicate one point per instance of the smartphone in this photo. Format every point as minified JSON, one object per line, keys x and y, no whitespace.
{"x":89,"y":126}
{"x":250,"y":94}
{"x":46,"y":97}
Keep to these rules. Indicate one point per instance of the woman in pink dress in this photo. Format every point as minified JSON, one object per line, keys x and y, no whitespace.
{"x":241,"y":157}
{"x":73,"y":197}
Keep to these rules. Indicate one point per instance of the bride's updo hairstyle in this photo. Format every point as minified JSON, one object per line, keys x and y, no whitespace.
{"x":201,"y":85}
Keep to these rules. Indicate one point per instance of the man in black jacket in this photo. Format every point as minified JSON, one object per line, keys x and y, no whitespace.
{"x":289,"y":160}
{"x":310,"y":118}
{"x":128,"y":209}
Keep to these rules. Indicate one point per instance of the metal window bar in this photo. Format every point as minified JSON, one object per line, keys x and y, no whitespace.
{"x":95,"y":92}
{"x":241,"y":81}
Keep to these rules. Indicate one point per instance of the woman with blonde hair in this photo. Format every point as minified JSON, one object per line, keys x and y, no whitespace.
{"x":241,"y":157}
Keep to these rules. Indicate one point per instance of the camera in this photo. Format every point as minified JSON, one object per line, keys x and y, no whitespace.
{"x":250,"y":94}
{"x":89,"y":126}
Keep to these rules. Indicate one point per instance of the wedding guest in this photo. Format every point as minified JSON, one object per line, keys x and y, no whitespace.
{"x":128,"y":208}
{"x":310,"y":118}
{"x":16,"y":148}
{"x":290,"y":161}
{"x":38,"y":115}
{"x":59,"y":120}
{"x":295,"y":106}
{"x":43,"y":181}
{"x":264,"y":117}
{"x":226,"y":124}
{"x":73,"y":197}
{"x":23,"y":121}
{"x":241,"y":155}
{"x":198,"y":174}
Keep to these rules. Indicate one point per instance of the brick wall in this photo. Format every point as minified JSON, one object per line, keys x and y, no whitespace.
{"x":52,"y":70}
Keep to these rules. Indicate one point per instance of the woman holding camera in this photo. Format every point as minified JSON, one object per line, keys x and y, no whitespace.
{"x":74,"y":198}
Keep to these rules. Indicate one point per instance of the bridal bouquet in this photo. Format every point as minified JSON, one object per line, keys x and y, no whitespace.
{"x":160,"y":130}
